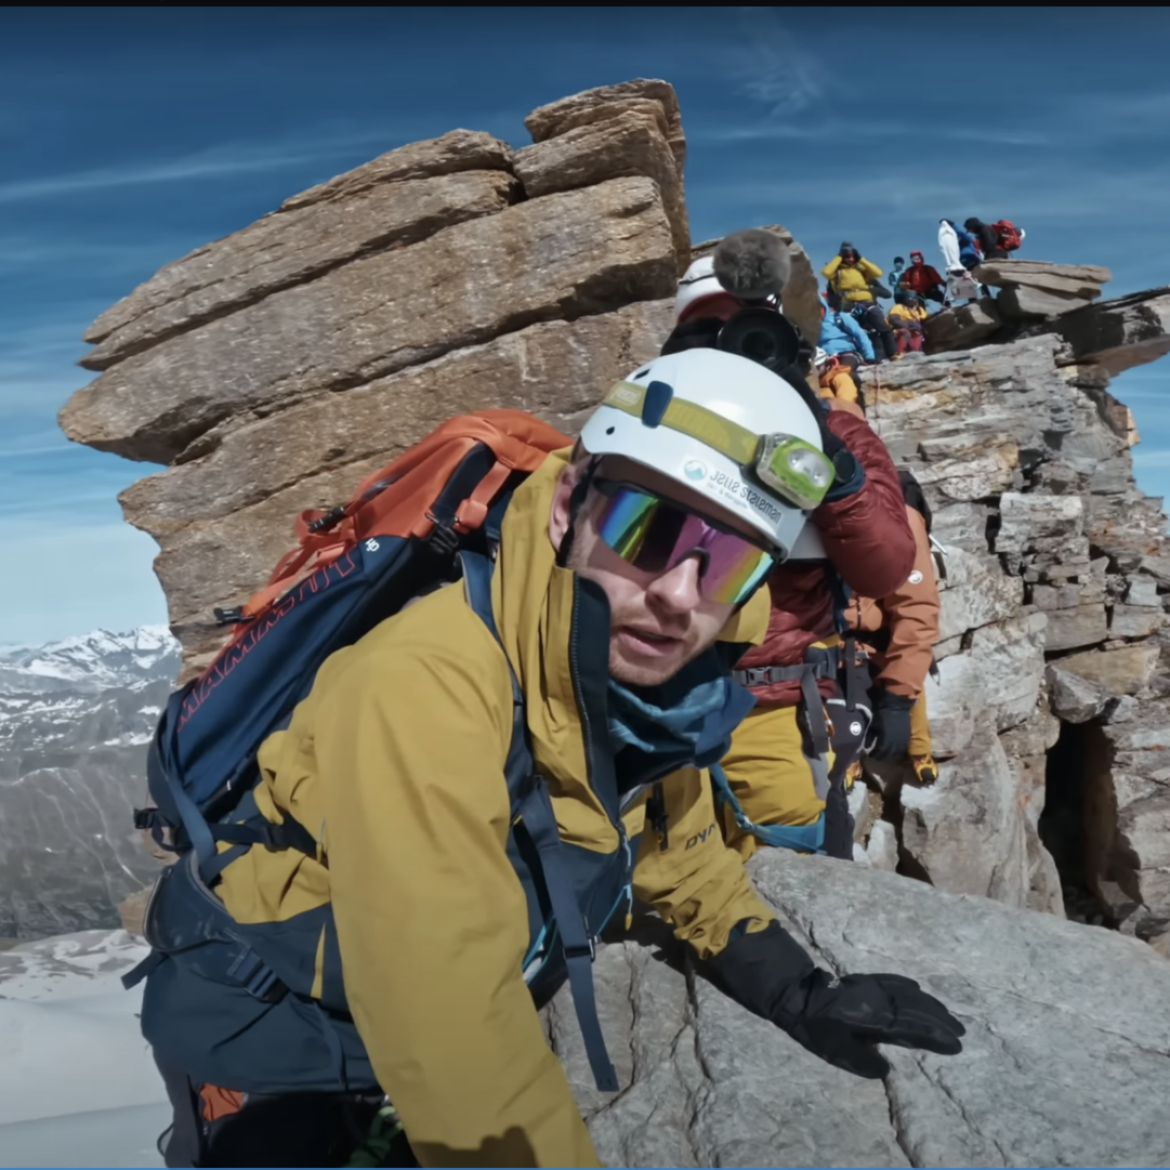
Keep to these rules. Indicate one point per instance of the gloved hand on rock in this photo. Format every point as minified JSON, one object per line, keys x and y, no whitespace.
{"x":890,"y":733}
{"x":840,"y":1020}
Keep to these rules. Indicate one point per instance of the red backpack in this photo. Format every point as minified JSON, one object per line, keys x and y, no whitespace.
{"x":1010,"y":236}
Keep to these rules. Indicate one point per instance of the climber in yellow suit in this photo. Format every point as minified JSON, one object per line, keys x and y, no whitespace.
{"x":624,"y":589}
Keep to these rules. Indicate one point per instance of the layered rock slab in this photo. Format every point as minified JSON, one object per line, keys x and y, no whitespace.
{"x":1053,"y":1072}
{"x":288,"y":248}
{"x":224,"y":517}
{"x":565,"y":256}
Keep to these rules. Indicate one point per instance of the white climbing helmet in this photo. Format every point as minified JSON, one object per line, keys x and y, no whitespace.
{"x":725,"y":427}
{"x":698,"y":283}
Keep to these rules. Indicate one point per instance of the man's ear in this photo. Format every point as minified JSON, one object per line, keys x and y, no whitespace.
{"x":560,"y":516}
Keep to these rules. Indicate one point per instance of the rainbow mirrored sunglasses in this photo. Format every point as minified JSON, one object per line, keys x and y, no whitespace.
{"x":794,"y":469}
{"x":655,"y":535}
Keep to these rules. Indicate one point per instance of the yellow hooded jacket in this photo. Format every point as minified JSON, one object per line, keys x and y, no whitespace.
{"x":395,"y":763}
{"x":852,"y":281}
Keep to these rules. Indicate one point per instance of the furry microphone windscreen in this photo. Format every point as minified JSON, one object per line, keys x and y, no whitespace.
{"x":752,"y":264}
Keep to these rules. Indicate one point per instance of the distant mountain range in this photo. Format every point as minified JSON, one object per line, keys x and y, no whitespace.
{"x":75,"y":719}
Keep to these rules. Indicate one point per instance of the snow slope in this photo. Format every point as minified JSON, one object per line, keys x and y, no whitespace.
{"x":77,"y":1083}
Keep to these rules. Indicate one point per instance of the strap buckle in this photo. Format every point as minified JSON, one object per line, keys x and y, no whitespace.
{"x":579,"y":952}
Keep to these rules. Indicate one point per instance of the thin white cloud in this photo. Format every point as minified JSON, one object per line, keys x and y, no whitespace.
{"x":217,"y":162}
{"x":773,"y":68}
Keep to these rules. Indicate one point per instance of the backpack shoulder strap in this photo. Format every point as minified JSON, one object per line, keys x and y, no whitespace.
{"x":532,"y":804}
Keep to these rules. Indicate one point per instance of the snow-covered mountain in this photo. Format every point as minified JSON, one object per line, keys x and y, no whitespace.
{"x":92,"y":662}
{"x":75,"y":719}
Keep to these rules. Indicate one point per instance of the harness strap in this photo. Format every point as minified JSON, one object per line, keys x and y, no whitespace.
{"x":814,"y":707}
{"x":822,"y":662}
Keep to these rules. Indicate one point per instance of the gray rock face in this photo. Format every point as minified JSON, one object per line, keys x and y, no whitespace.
{"x":631,"y":142}
{"x":1120,"y":334}
{"x":704,"y":1083}
{"x":224,"y":519}
{"x":1028,"y":468}
{"x":290,"y":247}
{"x":960,"y":327}
{"x":1023,"y":303}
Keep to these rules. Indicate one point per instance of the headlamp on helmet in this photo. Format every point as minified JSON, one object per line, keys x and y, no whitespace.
{"x":795,"y":469}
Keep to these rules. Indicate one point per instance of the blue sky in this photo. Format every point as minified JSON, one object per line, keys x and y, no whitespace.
{"x":128,"y":137}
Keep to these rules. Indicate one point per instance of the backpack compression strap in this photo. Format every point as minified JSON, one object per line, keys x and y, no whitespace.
{"x":532,"y":804}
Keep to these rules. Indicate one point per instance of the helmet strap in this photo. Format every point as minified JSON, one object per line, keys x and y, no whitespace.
{"x":576,"y":503}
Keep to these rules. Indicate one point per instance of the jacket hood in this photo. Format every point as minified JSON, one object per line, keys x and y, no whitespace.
{"x":913,"y":254}
{"x":554,"y":627}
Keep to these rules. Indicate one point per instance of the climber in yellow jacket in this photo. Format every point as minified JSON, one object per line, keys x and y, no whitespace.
{"x":906,"y":319}
{"x":624,"y":589}
{"x":850,"y":276}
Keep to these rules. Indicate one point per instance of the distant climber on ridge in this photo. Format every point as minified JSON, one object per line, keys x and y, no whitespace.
{"x":899,"y":630}
{"x":906,"y":318}
{"x":997,"y":241}
{"x":841,"y":335}
{"x":850,"y":276}
{"x":921,"y":278}
{"x":896,"y":274}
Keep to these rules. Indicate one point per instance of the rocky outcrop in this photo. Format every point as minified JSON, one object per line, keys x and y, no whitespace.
{"x":1050,"y":622}
{"x":1037,"y":288}
{"x":273,"y":369}
{"x":961,"y":327}
{"x":1117,"y":335}
{"x":705,"y":1083}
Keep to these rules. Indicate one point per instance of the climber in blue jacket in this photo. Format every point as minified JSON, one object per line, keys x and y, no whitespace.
{"x":840,"y":333}
{"x":969,"y":253}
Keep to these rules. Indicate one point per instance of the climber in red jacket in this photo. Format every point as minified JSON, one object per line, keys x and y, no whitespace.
{"x":805,"y":722}
{"x":921,"y":278}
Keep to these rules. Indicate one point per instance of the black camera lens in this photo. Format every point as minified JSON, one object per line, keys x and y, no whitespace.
{"x":763,"y":336}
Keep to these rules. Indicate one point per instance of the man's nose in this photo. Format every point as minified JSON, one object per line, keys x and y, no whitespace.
{"x":679,"y":588}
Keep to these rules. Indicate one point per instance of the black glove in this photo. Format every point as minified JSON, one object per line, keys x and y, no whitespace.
{"x":849,"y":475}
{"x":839,"y":1020}
{"x":891,"y":724}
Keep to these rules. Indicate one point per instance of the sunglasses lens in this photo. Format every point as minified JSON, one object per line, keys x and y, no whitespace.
{"x":734,"y":569}
{"x":654,"y":535}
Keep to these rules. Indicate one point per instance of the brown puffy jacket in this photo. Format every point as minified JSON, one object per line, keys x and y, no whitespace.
{"x":907,"y":616}
{"x":869,"y":542}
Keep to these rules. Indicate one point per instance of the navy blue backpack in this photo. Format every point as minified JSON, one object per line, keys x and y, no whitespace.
{"x":431,"y":515}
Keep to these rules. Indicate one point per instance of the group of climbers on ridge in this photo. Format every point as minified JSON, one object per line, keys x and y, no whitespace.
{"x":572,"y":673}
{"x":854,"y":288}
